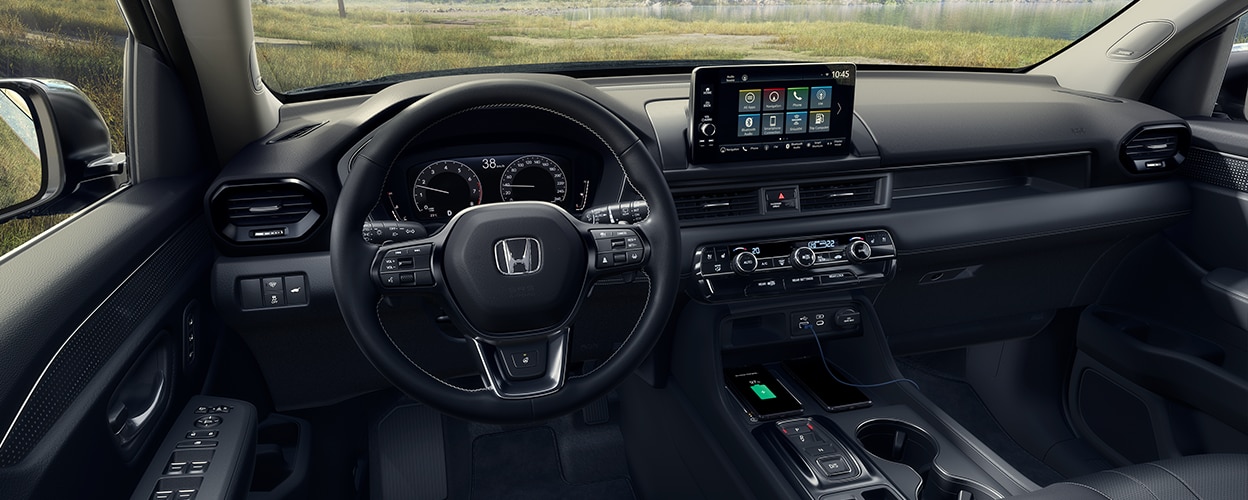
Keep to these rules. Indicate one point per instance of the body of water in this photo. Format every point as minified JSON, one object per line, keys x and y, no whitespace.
{"x":1060,"y":20}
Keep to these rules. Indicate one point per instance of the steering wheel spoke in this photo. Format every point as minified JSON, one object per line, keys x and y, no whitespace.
{"x":616,"y":249}
{"x":406,"y":267}
{"x":512,"y":276}
{"x":528,"y":367}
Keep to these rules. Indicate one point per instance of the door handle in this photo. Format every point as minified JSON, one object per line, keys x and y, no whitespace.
{"x":123,"y":419}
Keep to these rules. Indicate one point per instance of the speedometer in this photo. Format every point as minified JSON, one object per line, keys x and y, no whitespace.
{"x":445,"y":187}
{"x":534,"y":178}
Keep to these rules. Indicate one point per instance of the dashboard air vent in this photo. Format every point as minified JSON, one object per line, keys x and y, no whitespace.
{"x":1155,"y":148}
{"x":706,"y":205}
{"x":840,"y":194}
{"x":266,"y":211}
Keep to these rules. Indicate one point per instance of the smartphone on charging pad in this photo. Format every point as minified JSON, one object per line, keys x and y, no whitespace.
{"x":833,"y":395}
{"x":760,"y":393}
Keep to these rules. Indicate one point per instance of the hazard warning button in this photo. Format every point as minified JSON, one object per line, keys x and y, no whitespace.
{"x":781,"y":199}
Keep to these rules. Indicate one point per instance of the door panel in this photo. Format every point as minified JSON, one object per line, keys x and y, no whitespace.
{"x":1164,"y":353}
{"x":77,"y":308}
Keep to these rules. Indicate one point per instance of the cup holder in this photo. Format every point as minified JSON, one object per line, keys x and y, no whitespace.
{"x":899,"y":442}
{"x":907,"y":444}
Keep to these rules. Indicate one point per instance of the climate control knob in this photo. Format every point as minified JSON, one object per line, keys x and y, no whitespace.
{"x":744,"y":263}
{"x":858,"y":251}
{"x":803,"y":257}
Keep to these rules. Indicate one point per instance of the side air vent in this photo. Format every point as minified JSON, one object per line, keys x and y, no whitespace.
{"x":840,"y":194}
{"x":297,"y":133}
{"x":714,"y":204}
{"x":266,"y":211}
{"x":1152,"y":149}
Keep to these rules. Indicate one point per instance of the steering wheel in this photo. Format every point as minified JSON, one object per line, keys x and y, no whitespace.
{"x":513,"y":275}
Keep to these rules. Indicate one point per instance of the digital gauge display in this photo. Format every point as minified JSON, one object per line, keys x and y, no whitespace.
{"x":442,"y":188}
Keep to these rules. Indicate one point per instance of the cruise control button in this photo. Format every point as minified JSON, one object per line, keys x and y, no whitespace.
{"x":634,"y":256}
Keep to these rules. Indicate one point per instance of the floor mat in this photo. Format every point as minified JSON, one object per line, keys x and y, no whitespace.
{"x":941,"y":377}
{"x":525,"y":464}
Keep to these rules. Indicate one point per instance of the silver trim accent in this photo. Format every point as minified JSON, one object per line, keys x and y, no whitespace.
{"x":510,"y":265}
{"x":18,"y":415}
{"x":548,"y":383}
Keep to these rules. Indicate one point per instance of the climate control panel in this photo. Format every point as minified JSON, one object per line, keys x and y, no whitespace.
{"x":767,"y":268}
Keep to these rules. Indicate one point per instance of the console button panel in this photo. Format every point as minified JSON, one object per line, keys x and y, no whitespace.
{"x":744,"y":270}
{"x":820,"y":450}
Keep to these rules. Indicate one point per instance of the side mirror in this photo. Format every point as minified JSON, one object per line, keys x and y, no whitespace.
{"x":55,"y":150}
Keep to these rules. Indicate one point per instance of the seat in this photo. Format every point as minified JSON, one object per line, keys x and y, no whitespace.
{"x":1198,"y":477}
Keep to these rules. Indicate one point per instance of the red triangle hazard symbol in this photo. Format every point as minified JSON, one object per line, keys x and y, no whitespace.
{"x":782,"y":196}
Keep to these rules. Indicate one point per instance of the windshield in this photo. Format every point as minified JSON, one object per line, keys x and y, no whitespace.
{"x":310,"y":43}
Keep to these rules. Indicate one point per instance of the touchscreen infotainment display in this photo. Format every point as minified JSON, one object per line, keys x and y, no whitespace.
{"x":758,"y":112}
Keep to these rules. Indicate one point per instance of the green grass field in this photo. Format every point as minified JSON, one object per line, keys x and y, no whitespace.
{"x":305,"y":46}
{"x":19,"y":169}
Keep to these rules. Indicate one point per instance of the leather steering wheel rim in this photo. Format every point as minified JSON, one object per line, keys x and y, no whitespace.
{"x":358,"y":294}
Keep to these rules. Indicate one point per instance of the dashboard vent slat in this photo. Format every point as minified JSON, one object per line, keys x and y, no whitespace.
{"x":838,"y":194}
{"x":1155,"y":148}
{"x":706,"y":205}
{"x":266,"y":211}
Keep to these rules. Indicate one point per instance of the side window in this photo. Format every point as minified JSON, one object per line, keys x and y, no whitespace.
{"x":80,"y":42}
{"x":1234,"y":89}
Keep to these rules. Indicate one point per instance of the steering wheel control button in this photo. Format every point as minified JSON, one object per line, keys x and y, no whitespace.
{"x":833,"y":466}
{"x":407,"y":267}
{"x":524,"y":363}
{"x":605,"y":261}
{"x":201,"y":434}
{"x":207,"y":421}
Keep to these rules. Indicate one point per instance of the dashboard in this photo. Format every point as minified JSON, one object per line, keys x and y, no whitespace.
{"x":985,"y":180}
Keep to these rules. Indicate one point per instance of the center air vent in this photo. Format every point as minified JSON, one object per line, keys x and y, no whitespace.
{"x":839,"y":194}
{"x":266,"y":211}
{"x":1155,"y":148}
{"x":706,"y":205}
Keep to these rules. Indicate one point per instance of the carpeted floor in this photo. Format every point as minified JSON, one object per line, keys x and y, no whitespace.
{"x":940,"y":375}
{"x":526,"y":464}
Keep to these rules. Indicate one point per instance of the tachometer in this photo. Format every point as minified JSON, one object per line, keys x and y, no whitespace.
{"x":534,"y":178}
{"x":444,"y":188}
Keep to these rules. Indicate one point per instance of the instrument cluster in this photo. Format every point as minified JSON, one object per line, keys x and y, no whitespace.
{"x":436,"y":190}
